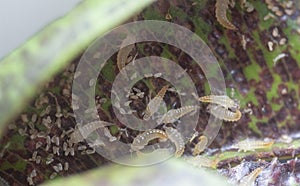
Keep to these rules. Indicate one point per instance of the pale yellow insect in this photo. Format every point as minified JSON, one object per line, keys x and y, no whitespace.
{"x":202,"y":161}
{"x":249,"y":180}
{"x":174,"y":114}
{"x":222,"y":100}
{"x":155,"y":103}
{"x":200,"y":146}
{"x":221,"y":8}
{"x":79,"y":135}
{"x":143,"y":139}
{"x":224,"y":114}
{"x":175,"y":137}
{"x":252,"y":145}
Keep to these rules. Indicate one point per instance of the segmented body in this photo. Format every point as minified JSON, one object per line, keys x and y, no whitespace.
{"x":224,"y":114}
{"x":200,"y":146}
{"x":222,"y":100}
{"x":174,"y":114}
{"x":252,"y":145}
{"x":201,"y":161}
{"x":250,"y":178}
{"x":143,"y":139}
{"x":175,"y":137}
{"x":79,"y":135}
{"x":122,"y":57}
{"x":154,"y":104}
{"x":221,"y":9}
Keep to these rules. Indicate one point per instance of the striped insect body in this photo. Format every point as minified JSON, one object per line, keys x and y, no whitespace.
{"x":175,"y":114}
{"x":221,"y":9}
{"x":201,"y":161}
{"x":252,"y":145}
{"x":200,"y":146}
{"x":224,"y":114}
{"x":155,"y":103}
{"x":175,"y":137}
{"x":250,"y":178}
{"x":123,"y":55}
{"x":143,"y":139}
{"x":222,"y":100}
{"x":83,"y":132}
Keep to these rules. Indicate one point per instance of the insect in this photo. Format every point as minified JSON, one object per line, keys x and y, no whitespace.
{"x":252,"y":145}
{"x":200,"y":146}
{"x":250,"y":178}
{"x":224,"y":114}
{"x":154,"y":104}
{"x":79,"y":135}
{"x":222,"y":100}
{"x":177,"y":139}
{"x":142,"y":139}
{"x":202,"y":161}
{"x":122,"y":57}
{"x":221,"y":8}
{"x":174,"y":114}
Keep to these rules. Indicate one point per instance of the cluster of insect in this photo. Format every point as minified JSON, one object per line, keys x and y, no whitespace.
{"x":220,"y":106}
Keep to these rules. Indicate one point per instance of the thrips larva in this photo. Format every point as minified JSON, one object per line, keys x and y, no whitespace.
{"x":174,"y":114}
{"x":222,"y":100}
{"x":122,"y":57}
{"x":224,"y":114}
{"x":221,"y":8}
{"x":202,"y":161}
{"x":155,"y":103}
{"x":175,"y":137}
{"x":142,"y":139}
{"x":200,"y":146}
{"x":80,"y":134}
{"x":252,"y":145}
{"x":250,"y":178}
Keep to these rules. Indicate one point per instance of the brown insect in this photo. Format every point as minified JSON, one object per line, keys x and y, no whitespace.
{"x":155,"y":103}
{"x":143,"y":139}
{"x":174,"y":114}
{"x":222,"y":100}
{"x":250,"y":178}
{"x":200,"y":146}
{"x":224,"y":114}
{"x":252,"y":145}
{"x":177,"y":139}
{"x":221,"y":9}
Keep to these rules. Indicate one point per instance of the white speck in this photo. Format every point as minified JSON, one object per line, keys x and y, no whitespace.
{"x":53,"y":175}
{"x":277,"y":58}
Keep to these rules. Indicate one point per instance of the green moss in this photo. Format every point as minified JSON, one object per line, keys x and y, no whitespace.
{"x":17,"y":142}
{"x":108,"y":71}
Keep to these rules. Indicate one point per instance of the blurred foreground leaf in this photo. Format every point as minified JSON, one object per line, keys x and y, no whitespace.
{"x":170,"y":173}
{"x":56,"y":45}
